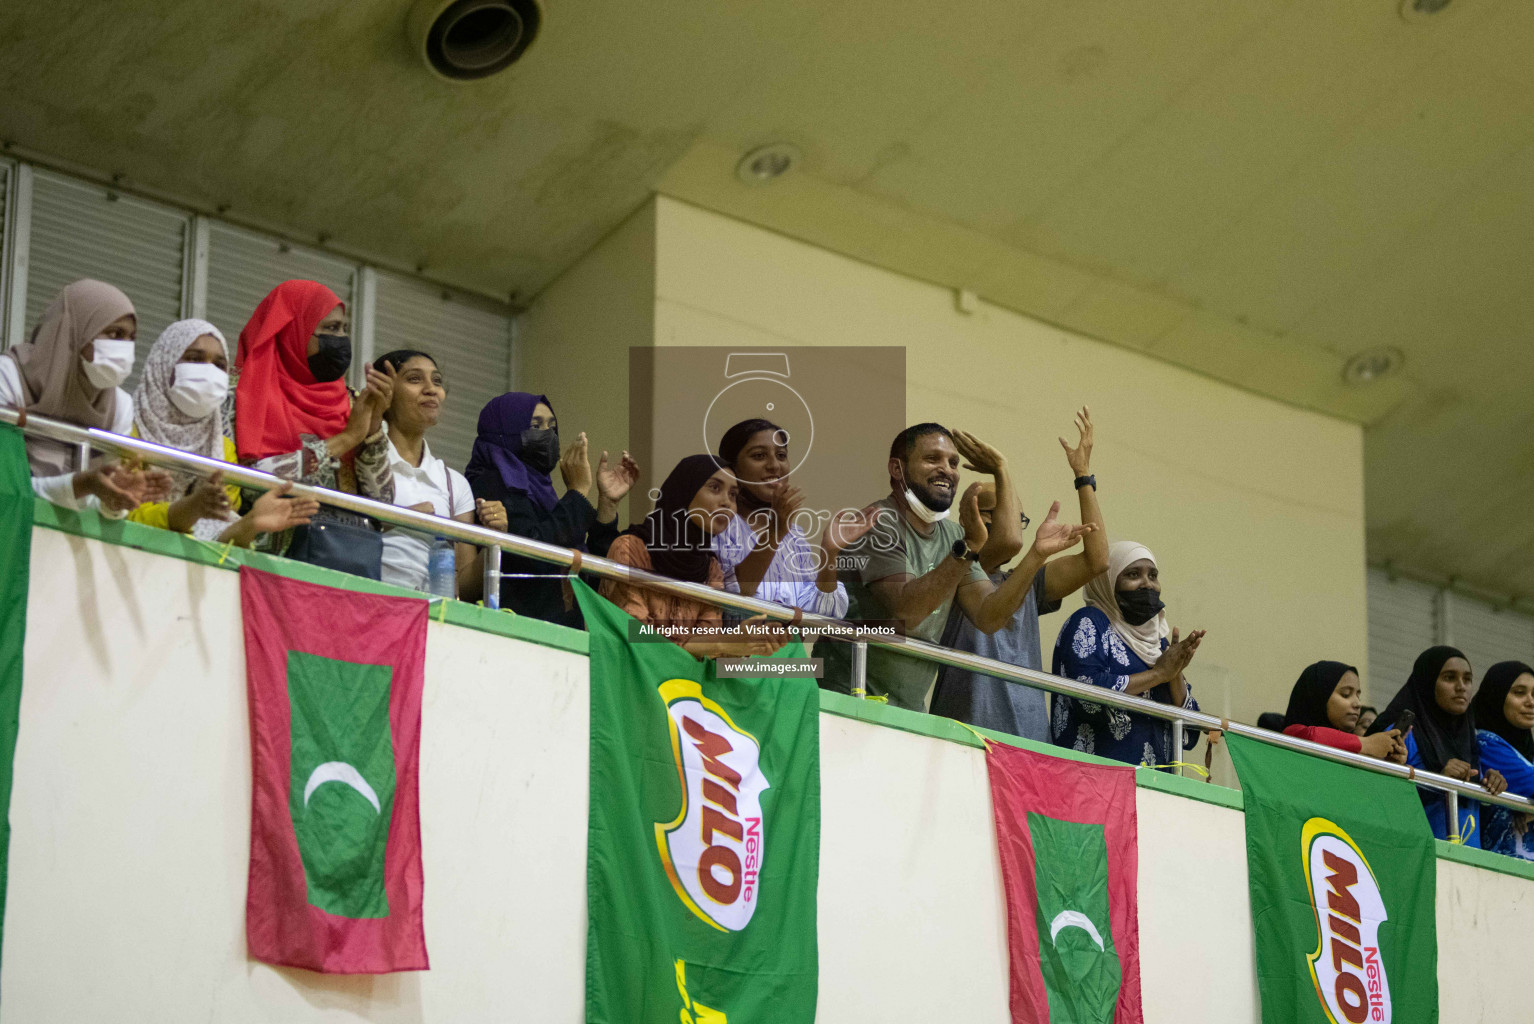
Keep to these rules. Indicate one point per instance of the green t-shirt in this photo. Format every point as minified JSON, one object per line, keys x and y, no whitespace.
{"x":893,"y":548}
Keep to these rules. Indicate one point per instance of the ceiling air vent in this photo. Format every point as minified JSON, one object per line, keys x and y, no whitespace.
{"x":462,"y":40}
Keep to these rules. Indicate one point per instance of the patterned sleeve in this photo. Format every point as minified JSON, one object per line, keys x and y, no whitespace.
{"x":375,"y":478}
{"x":1088,"y":646}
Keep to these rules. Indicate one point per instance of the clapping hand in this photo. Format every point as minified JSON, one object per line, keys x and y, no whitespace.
{"x":1053,"y":537}
{"x":378,"y":395}
{"x":979,"y":456}
{"x":575,"y":466}
{"x":613,"y":482}
{"x":1080,"y":457}
{"x":274,"y":511}
{"x":975,"y":532}
{"x":1178,"y":654}
{"x":122,"y":488}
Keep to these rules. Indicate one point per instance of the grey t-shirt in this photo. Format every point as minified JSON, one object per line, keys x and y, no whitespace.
{"x":893,"y":548}
{"x":987,"y":701}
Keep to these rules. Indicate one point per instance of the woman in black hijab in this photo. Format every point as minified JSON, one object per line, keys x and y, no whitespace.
{"x":1442,"y":739}
{"x":1504,"y":730}
{"x":676,"y":539}
{"x":1324,"y":707}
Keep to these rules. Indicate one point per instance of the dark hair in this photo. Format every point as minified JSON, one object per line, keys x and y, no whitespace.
{"x":1271,"y":721}
{"x":1368,"y":708}
{"x":400,"y":356}
{"x":905,"y":441}
{"x":734,"y":440}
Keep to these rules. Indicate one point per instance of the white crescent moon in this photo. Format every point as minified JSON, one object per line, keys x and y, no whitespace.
{"x":1074,"y":919}
{"x":340,"y":771}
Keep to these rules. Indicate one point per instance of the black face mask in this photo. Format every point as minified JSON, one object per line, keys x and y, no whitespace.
{"x":332,"y":359}
{"x":1139,"y":606}
{"x":539,"y":449}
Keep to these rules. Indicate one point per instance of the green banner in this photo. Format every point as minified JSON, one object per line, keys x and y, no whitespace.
{"x":15,"y":566}
{"x":703,"y":837}
{"x":1343,"y":881}
{"x":1077,"y":959}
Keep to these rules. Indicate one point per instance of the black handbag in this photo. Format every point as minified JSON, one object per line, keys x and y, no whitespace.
{"x":351,"y":545}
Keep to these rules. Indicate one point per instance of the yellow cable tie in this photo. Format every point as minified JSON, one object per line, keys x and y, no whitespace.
{"x":1181,"y":764}
{"x":984,"y":742}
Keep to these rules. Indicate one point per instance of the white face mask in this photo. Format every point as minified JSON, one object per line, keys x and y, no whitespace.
{"x":921,"y":510}
{"x":111,"y":363}
{"x":199,"y":389}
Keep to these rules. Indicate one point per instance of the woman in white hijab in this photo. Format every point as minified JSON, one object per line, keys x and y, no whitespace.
{"x":179,"y":404}
{"x":70,"y":369}
{"x":1120,"y":641}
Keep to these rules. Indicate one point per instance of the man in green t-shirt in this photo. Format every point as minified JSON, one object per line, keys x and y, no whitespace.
{"x":915,"y":561}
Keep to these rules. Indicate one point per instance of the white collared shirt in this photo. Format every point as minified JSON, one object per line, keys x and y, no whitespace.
{"x":405,"y":552}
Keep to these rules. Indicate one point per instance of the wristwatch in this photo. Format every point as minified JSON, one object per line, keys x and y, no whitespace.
{"x":962,"y":552}
{"x":1084,"y":481}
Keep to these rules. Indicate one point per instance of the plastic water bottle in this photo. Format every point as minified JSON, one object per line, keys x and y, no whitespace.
{"x":441,"y":570}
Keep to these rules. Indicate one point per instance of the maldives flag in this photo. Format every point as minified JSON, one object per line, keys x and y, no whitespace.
{"x":1066,"y":834}
{"x":334,"y":678}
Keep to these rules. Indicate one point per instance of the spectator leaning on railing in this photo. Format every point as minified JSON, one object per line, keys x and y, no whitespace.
{"x":69,"y":369}
{"x":512,"y":464}
{"x":996,"y":703}
{"x":1323,"y":708}
{"x":763,"y":552}
{"x":1121,"y":641}
{"x":1504,"y":715}
{"x":915,"y":561}
{"x":178,"y":403}
{"x":676,"y":539}
{"x":1442,"y":740}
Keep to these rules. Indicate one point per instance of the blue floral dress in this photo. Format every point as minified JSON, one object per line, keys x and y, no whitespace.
{"x":1499,"y":831}
{"x":1090,"y":650}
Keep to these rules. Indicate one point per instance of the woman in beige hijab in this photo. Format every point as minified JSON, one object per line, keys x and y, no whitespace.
{"x":70,"y":369}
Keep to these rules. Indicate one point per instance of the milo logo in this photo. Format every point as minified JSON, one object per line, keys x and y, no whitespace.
{"x":1346,"y":967}
{"x":713,"y":850}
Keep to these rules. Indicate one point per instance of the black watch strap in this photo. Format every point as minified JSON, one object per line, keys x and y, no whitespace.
{"x":962,"y":552}
{"x":1086,"y":481}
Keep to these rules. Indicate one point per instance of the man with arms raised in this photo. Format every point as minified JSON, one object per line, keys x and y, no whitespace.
{"x":915,"y":562}
{"x":994,"y":703}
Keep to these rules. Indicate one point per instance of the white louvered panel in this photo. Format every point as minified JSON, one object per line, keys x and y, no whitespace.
{"x":1402,"y":624}
{"x":244,"y":266}
{"x":5,"y":250}
{"x":82,"y":230}
{"x":471,"y":341}
{"x":1488,"y":635}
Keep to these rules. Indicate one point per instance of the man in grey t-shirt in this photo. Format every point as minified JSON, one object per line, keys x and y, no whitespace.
{"x":1000,"y":704}
{"x":915,"y":563}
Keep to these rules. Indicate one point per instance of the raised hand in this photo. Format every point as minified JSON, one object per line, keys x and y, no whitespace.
{"x":378,"y":395}
{"x":1179,"y":653}
{"x":975,"y":533}
{"x":845,"y":528}
{"x":786,"y":500}
{"x":613,"y":482}
{"x":1080,"y":457}
{"x":575,"y":465}
{"x":1053,"y":537}
{"x":979,"y":457}
{"x":206,"y":500}
{"x":274,"y":511}
{"x":491,"y":515}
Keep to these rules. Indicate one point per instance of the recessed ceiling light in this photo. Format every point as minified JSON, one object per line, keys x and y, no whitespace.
{"x":1371,"y":365}
{"x":766,"y":163}
{"x":1416,"y":10}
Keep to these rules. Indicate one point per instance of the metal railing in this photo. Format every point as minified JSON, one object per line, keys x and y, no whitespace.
{"x":395,"y":515}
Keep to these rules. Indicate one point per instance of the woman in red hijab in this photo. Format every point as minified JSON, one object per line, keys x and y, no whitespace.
{"x":292,"y":414}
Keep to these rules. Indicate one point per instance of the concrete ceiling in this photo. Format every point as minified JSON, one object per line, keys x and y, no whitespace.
{"x":1255,"y":189}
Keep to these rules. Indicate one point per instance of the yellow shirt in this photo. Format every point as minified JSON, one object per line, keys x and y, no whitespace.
{"x":157,"y":513}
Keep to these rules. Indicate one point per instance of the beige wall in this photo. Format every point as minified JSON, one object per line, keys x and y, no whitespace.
{"x":573,"y":341}
{"x":130,"y":838}
{"x":1255,"y":509}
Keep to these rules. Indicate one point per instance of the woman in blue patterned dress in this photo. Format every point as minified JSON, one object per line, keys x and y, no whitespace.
{"x":1504,"y":731}
{"x":1120,"y":641}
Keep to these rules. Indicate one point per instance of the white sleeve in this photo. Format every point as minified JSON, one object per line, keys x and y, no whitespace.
{"x":463,"y":494}
{"x":833,"y":604}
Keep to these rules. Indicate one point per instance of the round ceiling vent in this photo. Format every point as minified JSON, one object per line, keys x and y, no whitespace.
{"x":462,"y":40}
{"x":1419,"y":10}
{"x":1371,"y":365}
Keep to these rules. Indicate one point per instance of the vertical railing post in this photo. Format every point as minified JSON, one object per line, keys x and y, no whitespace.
{"x":492,"y":577}
{"x":860,"y":669}
{"x":1451,"y":800}
{"x":1177,"y":743}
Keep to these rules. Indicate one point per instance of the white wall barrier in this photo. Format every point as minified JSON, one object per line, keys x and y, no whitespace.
{"x":131,"y":814}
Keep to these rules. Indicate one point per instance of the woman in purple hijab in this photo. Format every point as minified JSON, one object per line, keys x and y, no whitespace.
{"x":513,"y":461}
